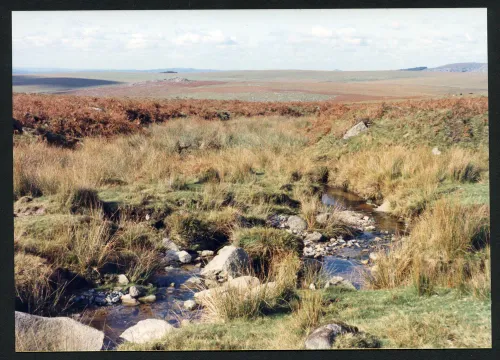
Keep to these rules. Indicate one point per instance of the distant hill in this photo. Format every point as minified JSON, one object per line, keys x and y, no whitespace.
{"x":180,"y":70}
{"x":419,"y":68}
{"x":461,"y":67}
{"x":18,"y":71}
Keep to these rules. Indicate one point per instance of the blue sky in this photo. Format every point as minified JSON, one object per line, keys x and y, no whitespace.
{"x":249,"y":39}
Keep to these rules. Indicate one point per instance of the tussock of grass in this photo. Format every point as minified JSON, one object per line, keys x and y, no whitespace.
{"x":32,"y":281}
{"x":228,"y":303}
{"x":447,"y":247}
{"x":263,"y":242}
{"x":194,"y":232}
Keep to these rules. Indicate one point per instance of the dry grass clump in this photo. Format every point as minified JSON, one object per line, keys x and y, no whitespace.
{"x":32,"y":281}
{"x":227,"y":303}
{"x":447,"y":247}
{"x":308,"y":311}
{"x":426,"y":331}
{"x":195,"y":232}
{"x":410,"y":180}
{"x":90,"y":246}
{"x":264,"y":242}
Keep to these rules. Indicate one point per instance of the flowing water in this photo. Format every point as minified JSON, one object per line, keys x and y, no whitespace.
{"x":347,"y":262}
{"x":114,"y":319}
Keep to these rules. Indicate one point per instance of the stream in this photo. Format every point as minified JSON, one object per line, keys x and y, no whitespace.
{"x":114,"y":319}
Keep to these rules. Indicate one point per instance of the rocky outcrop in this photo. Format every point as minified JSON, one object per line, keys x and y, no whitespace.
{"x":356,"y":130}
{"x":324,"y":336}
{"x":147,"y":330}
{"x":37,"y":333}
{"x":231,"y":261}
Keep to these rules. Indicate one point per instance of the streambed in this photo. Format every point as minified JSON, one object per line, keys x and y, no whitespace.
{"x":346,"y":262}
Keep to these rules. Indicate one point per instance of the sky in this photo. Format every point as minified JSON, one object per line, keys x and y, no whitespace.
{"x":349,"y":40}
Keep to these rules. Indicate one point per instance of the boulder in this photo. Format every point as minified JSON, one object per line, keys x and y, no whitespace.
{"x":190,"y":305}
{"x":122,"y":279}
{"x":206,"y":253}
{"x":373,"y":256}
{"x":204,"y":295}
{"x":184,"y":257}
{"x":18,"y":126}
{"x":135,"y":291}
{"x":314,"y":237}
{"x":296,"y":223}
{"x":355,"y":130}
{"x":385,"y":207}
{"x":147,"y":330}
{"x":435,"y":151}
{"x":171,"y":258}
{"x":243,"y":282}
{"x":37,"y":333}
{"x":230,"y":261}
{"x":324,"y":336}
{"x":128,"y":300}
{"x":169,"y":244}
{"x":193,"y":281}
{"x":147,"y":299}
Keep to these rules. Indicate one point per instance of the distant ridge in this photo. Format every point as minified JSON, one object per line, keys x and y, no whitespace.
{"x":461,"y":67}
{"x":419,"y":68}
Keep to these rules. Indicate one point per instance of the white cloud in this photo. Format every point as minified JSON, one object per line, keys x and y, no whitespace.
{"x":78,"y":43}
{"x":395,"y":25}
{"x":211,"y":37}
{"x":321,"y":32}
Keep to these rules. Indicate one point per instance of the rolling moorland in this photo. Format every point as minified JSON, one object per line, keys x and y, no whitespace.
{"x":283,"y":85}
{"x":111,"y":185}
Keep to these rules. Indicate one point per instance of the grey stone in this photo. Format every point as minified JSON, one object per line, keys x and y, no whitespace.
{"x":37,"y":333}
{"x":436,"y":151}
{"x":231,"y":261}
{"x":314,"y":237}
{"x":128,"y":300}
{"x":355,"y":130}
{"x":122,"y":279}
{"x":190,"y":305}
{"x":135,"y":291}
{"x":243,"y":282}
{"x":147,"y":330}
{"x":324,"y":336}
{"x":296,"y":223}
{"x":184,"y":257}
{"x":206,"y":253}
{"x":100,"y":300}
{"x":147,"y":299}
{"x":169,"y":244}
